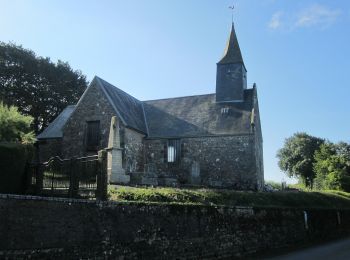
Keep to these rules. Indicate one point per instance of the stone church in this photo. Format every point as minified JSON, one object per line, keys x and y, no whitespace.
{"x":211,"y":140}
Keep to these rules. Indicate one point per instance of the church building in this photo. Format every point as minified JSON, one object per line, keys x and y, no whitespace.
{"x":211,"y":140}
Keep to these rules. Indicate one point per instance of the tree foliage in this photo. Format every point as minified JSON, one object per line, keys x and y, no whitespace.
{"x":15,"y":127}
{"x":332,"y":166}
{"x":296,"y":157}
{"x":36,"y":85}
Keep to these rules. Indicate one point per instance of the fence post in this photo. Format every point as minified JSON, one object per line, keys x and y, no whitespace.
{"x":39,"y":179}
{"x":101,"y":191}
{"x":27,"y":178}
{"x":73,"y":180}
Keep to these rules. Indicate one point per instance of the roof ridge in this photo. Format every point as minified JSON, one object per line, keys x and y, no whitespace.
{"x":178,"y":97}
{"x":119,"y":89}
{"x":109,"y":98}
{"x":145,"y":118}
{"x":128,"y":108}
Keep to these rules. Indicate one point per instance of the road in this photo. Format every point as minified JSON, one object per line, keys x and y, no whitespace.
{"x":334,"y":251}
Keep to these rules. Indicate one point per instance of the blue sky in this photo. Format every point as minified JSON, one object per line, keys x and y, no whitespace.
{"x":297,"y":51}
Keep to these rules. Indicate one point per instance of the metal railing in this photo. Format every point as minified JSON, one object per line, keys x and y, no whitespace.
{"x":75,"y":177}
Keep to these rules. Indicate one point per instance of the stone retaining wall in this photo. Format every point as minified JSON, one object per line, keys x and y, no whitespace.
{"x":67,"y":228}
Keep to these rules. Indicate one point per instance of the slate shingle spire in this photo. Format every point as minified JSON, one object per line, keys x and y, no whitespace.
{"x":232,"y":52}
{"x":231,"y":75}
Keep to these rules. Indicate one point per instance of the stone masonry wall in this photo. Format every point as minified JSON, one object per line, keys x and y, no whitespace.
{"x":93,"y":106}
{"x":223,"y":161}
{"x":133,"y":153}
{"x":258,"y":142}
{"x":259,"y":161}
{"x":45,"y":228}
{"x":49,"y":148}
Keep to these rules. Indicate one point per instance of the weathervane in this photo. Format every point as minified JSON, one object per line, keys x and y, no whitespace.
{"x":232,"y":8}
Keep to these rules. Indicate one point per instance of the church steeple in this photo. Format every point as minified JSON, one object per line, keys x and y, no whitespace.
{"x":232,"y":52}
{"x":231,"y":75}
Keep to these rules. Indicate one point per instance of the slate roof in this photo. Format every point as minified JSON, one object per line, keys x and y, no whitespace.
{"x":54,"y":129}
{"x":232,"y":52}
{"x":173,"y":117}
{"x":128,"y":108}
{"x":197,"y":115}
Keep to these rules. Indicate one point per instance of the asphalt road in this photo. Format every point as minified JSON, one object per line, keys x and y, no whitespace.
{"x":334,"y":251}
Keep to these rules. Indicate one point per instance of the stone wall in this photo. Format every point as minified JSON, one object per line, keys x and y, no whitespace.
{"x":93,"y":106}
{"x":133,"y":153}
{"x":258,"y":141}
{"x":46,"y":228}
{"x":49,"y":148}
{"x":222,"y":161}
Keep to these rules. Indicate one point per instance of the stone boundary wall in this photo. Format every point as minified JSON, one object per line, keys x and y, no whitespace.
{"x":46,"y":228}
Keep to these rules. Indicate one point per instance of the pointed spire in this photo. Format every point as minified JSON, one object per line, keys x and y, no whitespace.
{"x":232,"y":52}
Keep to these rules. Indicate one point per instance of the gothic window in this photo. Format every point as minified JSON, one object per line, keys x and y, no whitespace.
{"x":92,"y":135}
{"x":173,"y":150}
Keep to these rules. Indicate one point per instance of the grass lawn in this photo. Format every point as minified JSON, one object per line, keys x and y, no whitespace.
{"x":321,"y":199}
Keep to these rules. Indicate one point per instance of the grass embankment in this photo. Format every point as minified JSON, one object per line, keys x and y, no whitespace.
{"x":324,"y":199}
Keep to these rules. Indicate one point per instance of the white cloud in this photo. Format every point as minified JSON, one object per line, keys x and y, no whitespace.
{"x":276,"y":21}
{"x":317,"y":15}
{"x":313,"y":16}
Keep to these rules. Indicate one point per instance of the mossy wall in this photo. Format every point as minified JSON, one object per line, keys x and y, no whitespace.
{"x":63,"y":228}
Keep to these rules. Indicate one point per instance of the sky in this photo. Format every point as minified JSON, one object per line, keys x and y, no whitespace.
{"x":296,"y":51}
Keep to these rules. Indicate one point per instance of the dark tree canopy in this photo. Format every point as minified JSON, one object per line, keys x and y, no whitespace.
{"x":296,"y":157}
{"x":36,"y":85}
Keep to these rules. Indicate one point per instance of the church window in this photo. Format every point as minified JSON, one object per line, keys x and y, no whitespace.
{"x":174,"y":150}
{"x":225,"y":110}
{"x":92,"y":135}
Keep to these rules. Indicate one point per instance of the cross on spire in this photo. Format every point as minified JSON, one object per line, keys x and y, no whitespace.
{"x":232,"y":7}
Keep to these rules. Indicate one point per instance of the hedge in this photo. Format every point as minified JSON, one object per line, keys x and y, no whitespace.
{"x":13,"y":159}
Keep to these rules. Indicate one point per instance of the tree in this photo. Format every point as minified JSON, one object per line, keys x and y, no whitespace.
{"x":15,"y":127}
{"x":37,"y":86}
{"x":332,"y":166}
{"x":296,"y":158}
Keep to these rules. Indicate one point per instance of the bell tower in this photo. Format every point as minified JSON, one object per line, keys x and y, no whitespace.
{"x":231,"y":75}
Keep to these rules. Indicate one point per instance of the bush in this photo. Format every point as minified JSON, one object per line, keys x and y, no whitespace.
{"x":15,"y":127}
{"x":332,"y":166}
{"x":13,"y":159}
{"x":275,"y":185}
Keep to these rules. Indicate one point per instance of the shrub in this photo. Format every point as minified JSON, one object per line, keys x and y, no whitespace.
{"x":275,"y":185}
{"x":332,"y":166}
{"x":15,"y":127}
{"x":13,"y":159}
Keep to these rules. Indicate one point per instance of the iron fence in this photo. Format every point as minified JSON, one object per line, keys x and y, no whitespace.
{"x":75,"y":177}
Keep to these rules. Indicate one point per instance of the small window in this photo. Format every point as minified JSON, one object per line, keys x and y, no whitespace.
{"x":174,"y":150}
{"x":93,"y":135}
{"x":225,"y":111}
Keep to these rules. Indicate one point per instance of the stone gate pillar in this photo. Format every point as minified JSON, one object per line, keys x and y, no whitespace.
{"x":116,"y":173}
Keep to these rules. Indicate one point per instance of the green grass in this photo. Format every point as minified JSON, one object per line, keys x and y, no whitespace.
{"x":324,"y":199}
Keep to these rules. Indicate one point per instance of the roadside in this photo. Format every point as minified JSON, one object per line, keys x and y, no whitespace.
{"x":335,"y":250}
